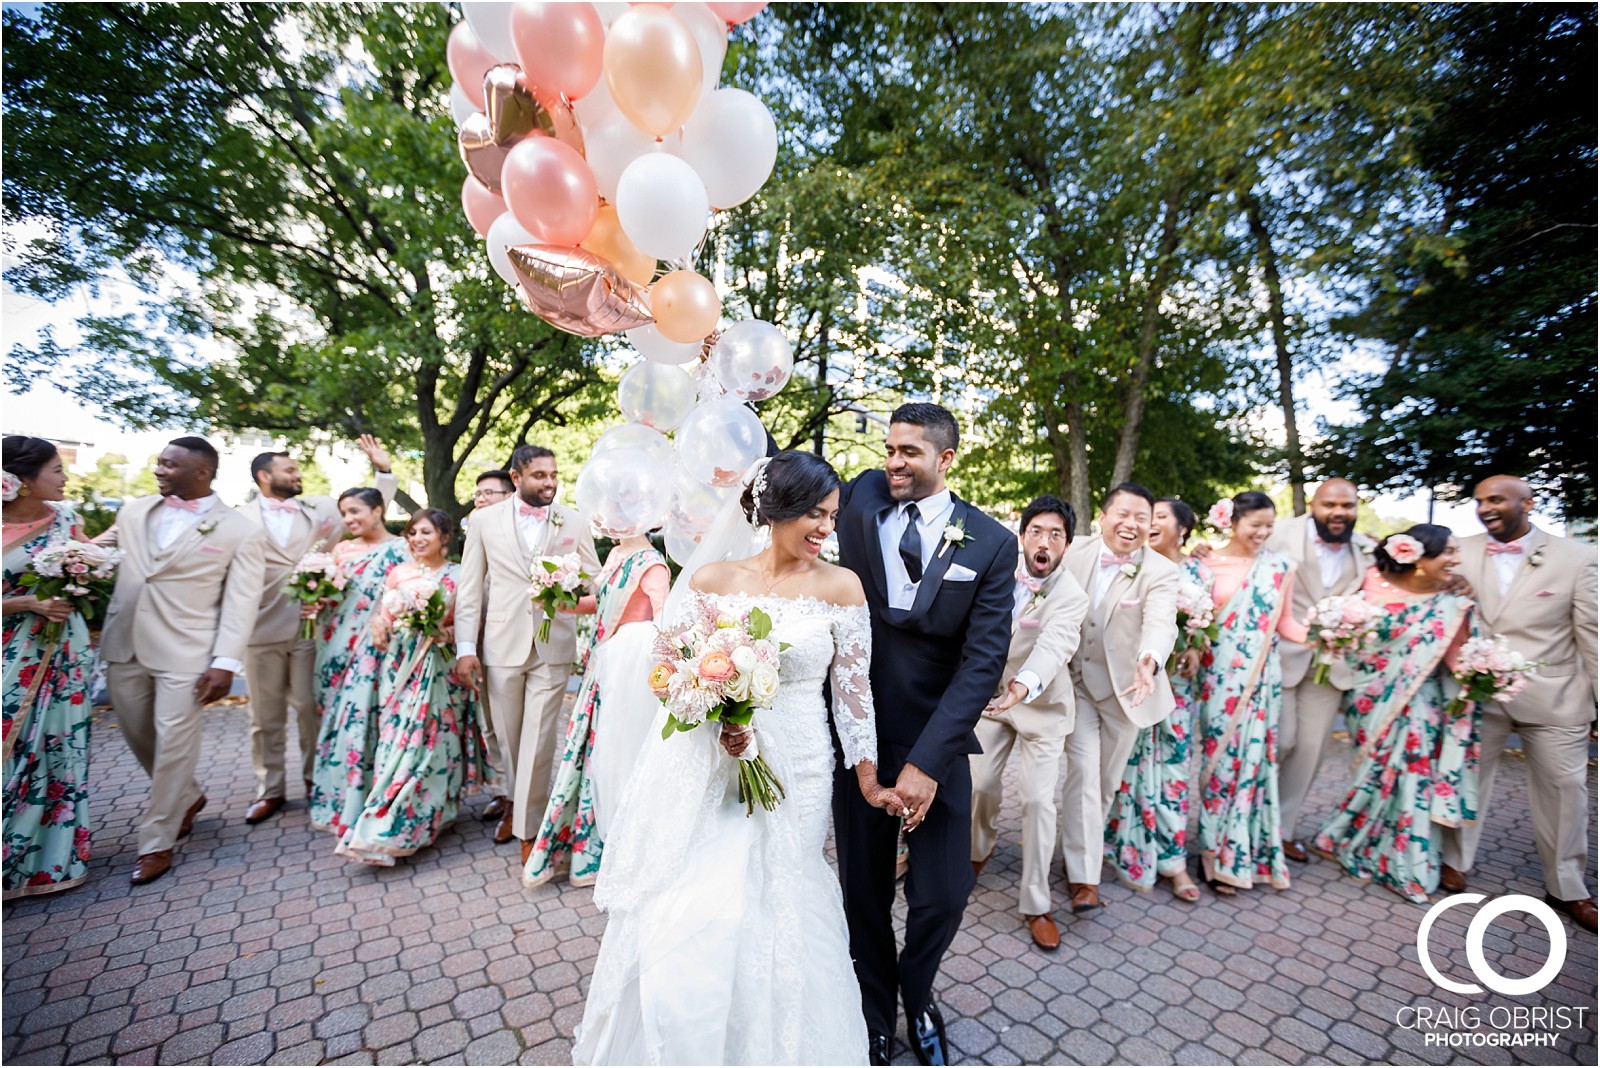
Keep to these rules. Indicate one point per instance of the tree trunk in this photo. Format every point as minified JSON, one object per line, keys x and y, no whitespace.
{"x":1069,"y":448}
{"x":819,"y":440}
{"x":1145,"y":352}
{"x":1280,"y":345}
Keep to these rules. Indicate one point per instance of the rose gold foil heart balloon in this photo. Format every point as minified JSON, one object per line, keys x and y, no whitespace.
{"x":479,"y":152}
{"x":514,"y":111}
{"x":577,"y":291}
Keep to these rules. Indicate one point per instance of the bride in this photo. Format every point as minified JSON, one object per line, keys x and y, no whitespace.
{"x":727,"y":941}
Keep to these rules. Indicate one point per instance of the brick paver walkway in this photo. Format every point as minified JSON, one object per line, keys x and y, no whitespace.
{"x":262,"y":947}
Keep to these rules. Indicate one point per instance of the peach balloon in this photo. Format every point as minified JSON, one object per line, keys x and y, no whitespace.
{"x":735,"y":13}
{"x":482,"y":206}
{"x":653,"y":69}
{"x":609,"y":242}
{"x":561,"y":47}
{"x":469,"y":61}
{"x":549,"y":189}
{"x":685,"y":306}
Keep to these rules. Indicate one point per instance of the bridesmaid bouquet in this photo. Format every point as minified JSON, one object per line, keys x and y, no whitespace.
{"x":558,"y":582}
{"x":1197,"y":620}
{"x":317,"y":577}
{"x":722,"y":668}
{"x":418,"y":604}
{"x":1338,"y":625}
{"x":1488,"y":669}
{"x":76,"y":571}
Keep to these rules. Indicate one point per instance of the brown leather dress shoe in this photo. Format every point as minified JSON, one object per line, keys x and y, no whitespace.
{"x":309,"y":787}
{"x":1295,"y":850}
{"x":494,"y":809}
{"x":151,"y":866}
{"x":503,"y":833}
{"x":262,"y":808}
{"x":1452,"y":880}
{"x":527,"y":851}
{"x":1043,"y":930}
{"x":978,"y":865}
{"x":1085,"y":897}
{"x":1582,"y":913}
{"x":187,"y":826}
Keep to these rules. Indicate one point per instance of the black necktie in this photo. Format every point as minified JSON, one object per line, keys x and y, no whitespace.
{"x":911,"y":544}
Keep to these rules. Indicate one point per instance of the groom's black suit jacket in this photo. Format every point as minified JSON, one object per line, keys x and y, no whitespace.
{"x":936,"y":665}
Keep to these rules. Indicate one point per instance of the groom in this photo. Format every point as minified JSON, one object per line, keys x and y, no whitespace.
{"x":938,"y":576}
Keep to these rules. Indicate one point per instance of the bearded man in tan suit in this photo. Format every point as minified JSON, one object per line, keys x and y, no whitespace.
{"x":280,"y":665}
{"x":175,"y":632}
{"x":1118,"y":673}
{"x":526,"y":680}
{"x":1034,"y":708}
{"x":1538,"y":591}
{"x":1331,"y":560}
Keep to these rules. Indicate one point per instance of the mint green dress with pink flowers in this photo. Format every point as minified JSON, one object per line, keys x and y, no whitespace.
{"x":1416,"y":763}
{"x":347,"y":685}
{"x":430,"y":751}
{"x":1147,"y":834}
{"x":46,"y":688}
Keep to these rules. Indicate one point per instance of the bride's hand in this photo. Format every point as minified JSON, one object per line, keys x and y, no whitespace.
{"x":885,"y":798}
{"x":736,"y":739}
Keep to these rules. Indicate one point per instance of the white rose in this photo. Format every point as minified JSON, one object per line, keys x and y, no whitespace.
{"x":763,"y":684}
{"x":744,"y":658}
{"x":738,"y":687}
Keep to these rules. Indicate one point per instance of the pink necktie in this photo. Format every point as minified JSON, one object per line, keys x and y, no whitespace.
{"x":1495,"y":548}
{"x":180,"y":503}
{"x":1034,"y":584}
{"x":539,"y":514}
{"x":289,"y":505}
{"x":1115,"y":559}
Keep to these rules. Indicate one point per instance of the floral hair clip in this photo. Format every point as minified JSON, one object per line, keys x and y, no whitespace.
{"x":1403,"y":548}
{"x":1221,"y":514}
{"x":11,"y":484}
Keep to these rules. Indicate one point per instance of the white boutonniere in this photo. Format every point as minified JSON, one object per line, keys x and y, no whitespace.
{"x":556,"y":518}
{"x":1364,"y":544}
{"x":1536,"y":557}
{"x":206,"y":527}
{"x":1130,"y":570}
{"x":954,"y":534}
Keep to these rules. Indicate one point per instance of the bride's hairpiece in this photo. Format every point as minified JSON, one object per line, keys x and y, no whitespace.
{"x":758,"y":486}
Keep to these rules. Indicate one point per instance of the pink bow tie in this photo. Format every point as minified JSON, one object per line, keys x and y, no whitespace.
{"x":180,"y":503}
{"x":1495,"y":548}
{"x":1034,"y":584}
{"x":540,"y":514}
{"x":1115,"y":559}
{"x":289,"y":505}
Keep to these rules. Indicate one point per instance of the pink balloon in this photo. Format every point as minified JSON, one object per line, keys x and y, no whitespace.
{"x":735,"y":13}
{"x":482,"y":206}
{"x":560,"y":47}
{"x":469,"y":61}
{"x":550,"y":190}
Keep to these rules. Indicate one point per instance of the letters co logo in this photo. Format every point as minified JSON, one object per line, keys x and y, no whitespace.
{"x":1490,"y":978}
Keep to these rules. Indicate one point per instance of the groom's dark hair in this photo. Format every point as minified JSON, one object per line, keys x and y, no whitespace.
{"x":937,"y":424}
{"x":794,"y":482}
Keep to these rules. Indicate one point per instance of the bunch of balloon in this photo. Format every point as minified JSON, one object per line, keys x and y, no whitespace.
{"x":597,"y":144}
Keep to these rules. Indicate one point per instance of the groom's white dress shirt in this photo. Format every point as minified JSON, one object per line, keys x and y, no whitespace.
{"x":932,"y":515}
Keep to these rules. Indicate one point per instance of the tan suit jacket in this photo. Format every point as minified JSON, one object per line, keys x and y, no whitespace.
{"x":1043,"y":639}
{"x":1136,"y":615}
{"x":1547,"y":614}
{"x":178,"y":609}
{"x":1290,"y":539}
{"x":316,"y":529}
{"x":493,"y":588}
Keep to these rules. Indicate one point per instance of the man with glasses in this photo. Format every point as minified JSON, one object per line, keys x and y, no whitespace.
{"x":1034,"y":709}
{"x":493,"y":487}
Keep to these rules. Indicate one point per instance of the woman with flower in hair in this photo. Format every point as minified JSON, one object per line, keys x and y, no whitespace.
{"x":1416,"y":757}
{"x":347,"y":673}
{"x":1239,"y":695}
{"x":430,"y":750}
{"x":46,"y":683}
{"x":1147,"y":833}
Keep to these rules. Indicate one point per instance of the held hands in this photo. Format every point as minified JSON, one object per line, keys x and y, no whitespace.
{"x":1014,"y":692}
{"x":1189,"y":663}
{"x":916,"y":790}
{"x":375,"y":452}
{"x":54,"y":609}
{"x":309,"y":609}
{"x":380,"y":633}
{"x":1144,"y":681}
{"x":735,"y":738}
{"x":469,"y":669}
{"x":213,"y":685}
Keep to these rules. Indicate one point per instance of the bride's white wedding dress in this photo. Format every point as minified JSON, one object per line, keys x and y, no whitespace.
{"x":727,"y":941}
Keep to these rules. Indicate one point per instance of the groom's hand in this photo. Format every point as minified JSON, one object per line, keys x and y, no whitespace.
{"x":917,"y":790}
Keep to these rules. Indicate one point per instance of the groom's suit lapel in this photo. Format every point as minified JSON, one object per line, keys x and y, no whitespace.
{"x":934,"y":573}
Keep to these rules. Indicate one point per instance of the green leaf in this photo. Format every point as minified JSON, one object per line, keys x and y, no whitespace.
{"x":760,"y":624}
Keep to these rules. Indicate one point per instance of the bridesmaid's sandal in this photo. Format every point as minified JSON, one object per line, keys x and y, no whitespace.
{"x":1218,"y":887}
{"x":1183,"y":887}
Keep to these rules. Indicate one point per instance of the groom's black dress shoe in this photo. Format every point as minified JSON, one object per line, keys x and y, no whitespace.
{"x":878,"y":1048}
{"x":926,"y":1032}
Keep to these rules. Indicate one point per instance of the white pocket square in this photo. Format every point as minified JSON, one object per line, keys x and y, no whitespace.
{"x":1131,"y":602}
{"x":957,"y":573}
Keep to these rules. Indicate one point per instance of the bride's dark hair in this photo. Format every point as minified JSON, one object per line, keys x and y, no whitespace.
{"x":794,"y":483}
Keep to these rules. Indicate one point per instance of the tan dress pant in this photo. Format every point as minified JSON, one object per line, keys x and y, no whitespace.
{"x":1041,"y":763}
{"x":1304,"y":726}
{"x":1558,"y":799}
{"x":160,"y":721}
{"x":525,"y":703}
{"x":491,"y":743}
{"x":280,"y":676}
{"x":1097,"y":750}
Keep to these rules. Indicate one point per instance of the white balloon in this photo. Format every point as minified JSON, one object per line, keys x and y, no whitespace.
{"x":634,"y":437}
{"x":620,"y":493}
{"x":491,"y":21}
{"x":719,"y":441}
{"x":695,"y":505}
{"x":710,"y":33}
{"x":610,"y":147}
{"x":732,"y":143}
{"x":596,"y":106}
{"x":658,"y":349}
{"x":461,"y":109}
{"x":503,"y":233}
{"x":611,"y":11}
{"x":753,"y":359}
{"x":662,"y":206}
{"x":680,"y":543}
{"x":655,"y":395}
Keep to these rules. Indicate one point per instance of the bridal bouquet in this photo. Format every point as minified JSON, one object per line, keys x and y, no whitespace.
{"x":1337,"y":625}
{"x":723,"y":668}
{"x":317,"y":577}
{"x":558,"y":582}
{"x":418,"y":604}
{"x":1488,"y":669}
{"x":76,"y":571}
{"x":1197,"y":619}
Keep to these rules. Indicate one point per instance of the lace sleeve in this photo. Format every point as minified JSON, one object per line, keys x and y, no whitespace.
{"x":853,"y":714}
